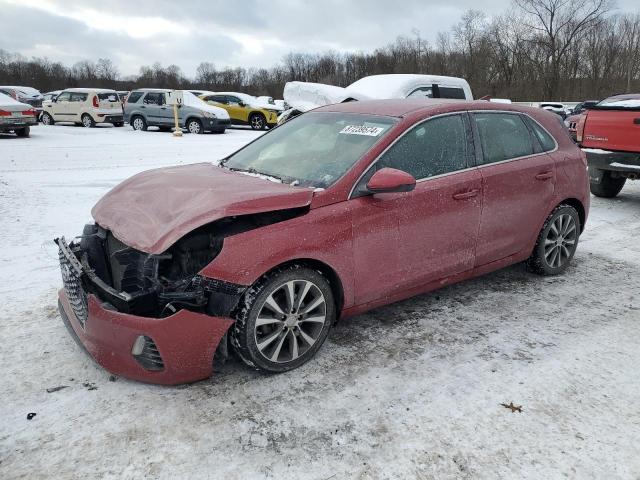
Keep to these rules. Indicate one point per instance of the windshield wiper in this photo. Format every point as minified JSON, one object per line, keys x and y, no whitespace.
{"x":255,"y":172}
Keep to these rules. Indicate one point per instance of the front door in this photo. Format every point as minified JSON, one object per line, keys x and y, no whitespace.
{"x":518,"y":186}
{"x":61,"y":108}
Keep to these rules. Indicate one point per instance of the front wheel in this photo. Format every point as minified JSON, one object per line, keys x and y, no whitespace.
{"x":194,"y":126}
{"x":608,"y":187}
{"x":257,"y":121}
{"x":87,"y":121}
{"x":557,"y":242}
{"x":284,"y":319}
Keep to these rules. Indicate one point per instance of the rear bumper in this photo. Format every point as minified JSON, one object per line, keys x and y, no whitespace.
{"x":623,"y":162}
{"x":186,"y":341}
{"x":7,"y":124}
{"x":110,"y":119}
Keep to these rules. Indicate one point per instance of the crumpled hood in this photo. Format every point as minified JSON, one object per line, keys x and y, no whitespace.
{"x":152,"y":210}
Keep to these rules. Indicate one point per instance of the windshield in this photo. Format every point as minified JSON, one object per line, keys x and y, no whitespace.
{"x":314,"y":149}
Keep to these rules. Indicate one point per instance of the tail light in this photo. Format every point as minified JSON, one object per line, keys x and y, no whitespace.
{"x":96,"y":103}
{"x":580,"y":128}
{"x":4,"y":113}
{"x":31,"y":112}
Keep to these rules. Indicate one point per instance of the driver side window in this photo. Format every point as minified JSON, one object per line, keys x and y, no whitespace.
{"x":434,"y":147}
{"x":64,"y":97}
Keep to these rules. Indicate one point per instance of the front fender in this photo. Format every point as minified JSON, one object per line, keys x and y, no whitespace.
{"x":323,"y":234}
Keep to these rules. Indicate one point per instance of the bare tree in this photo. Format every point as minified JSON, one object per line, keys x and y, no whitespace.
{"x":558,"y":24}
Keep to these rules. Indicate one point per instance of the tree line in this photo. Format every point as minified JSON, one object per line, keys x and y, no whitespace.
{"x":538,"y":49}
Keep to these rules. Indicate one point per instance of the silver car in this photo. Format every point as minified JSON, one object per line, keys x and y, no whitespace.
{"x":16,"y":116}
{"x":150,"y":107}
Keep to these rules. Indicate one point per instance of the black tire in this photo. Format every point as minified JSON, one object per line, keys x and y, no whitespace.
{"x":542,"y":261}
{"x":118,"y":124}
{"x":23,"y":132}
{"x":139,"y":123}
{"x":244,"y":333}
{"x":257,"y":121}
{"x":218,"y":130}
{"x":608,"y":187}
{"x":88,"y":121}
{"x":47,"y":119}
{"x":194,"y":126}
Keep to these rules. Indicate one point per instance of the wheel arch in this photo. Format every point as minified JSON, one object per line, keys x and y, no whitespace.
{"x":325,"y":269}
{"x":577,"y":204}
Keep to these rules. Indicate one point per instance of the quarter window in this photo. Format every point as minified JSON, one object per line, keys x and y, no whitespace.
{"x":546,"y":141}
{"x":431,"y":148}
{"x":424,"y":92}
{"x":503,"y":136}
{"x":452,"y":92}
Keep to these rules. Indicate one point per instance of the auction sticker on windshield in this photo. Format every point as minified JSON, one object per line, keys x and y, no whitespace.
{"x":362,"y":130}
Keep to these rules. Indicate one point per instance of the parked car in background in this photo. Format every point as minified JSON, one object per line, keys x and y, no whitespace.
{"x":609,"y":133}
{"x":304,"y":96}
{"x":16,"y":117}
{"x":557,"y":108}
{"x":244,"y":109}
{"x":583,"y":106}
{"x":46,"y":97}
{"x":84,"y":106}
{"x":27,"y":95}
{"x":338,"y":211}
{"x":149,"y":107}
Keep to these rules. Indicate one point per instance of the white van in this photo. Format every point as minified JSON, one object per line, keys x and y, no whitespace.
{"x":84,"y":106}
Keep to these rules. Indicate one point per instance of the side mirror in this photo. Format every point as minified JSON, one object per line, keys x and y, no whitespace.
{"x":391,"y":180}
{"x":242,"y":104}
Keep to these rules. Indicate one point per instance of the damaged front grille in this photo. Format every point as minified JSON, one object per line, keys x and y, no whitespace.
{"x":73,"y":287}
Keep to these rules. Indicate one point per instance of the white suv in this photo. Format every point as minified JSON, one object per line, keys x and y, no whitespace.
{"x":84,"y":106}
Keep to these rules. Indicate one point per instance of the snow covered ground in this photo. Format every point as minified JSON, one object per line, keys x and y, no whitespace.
{"x":412,"y":390}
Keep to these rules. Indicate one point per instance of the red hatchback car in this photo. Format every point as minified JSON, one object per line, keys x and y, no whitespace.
{"x":338,"y":211}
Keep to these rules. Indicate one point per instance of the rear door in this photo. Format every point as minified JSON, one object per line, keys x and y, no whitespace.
{"x":151,"y":104}
{"x":78,"y":103}
{"x":518,"y":185}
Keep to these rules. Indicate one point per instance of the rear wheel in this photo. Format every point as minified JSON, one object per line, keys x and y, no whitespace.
{"x":194,"y":126}
{"x":47,"y":119}
{"x":257,"y":121}
{"x":138,"y":123}
{"x":557,"y":242}
{"x":23,"y":132}
{"x":87,"y":121}
{"x":608,"y":187}
{"x":284,"y":319}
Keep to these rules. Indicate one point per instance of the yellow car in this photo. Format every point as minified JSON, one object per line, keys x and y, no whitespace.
{"x":242,"y":110}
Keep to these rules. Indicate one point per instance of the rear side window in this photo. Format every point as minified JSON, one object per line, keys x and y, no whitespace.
{"x":154,"y":98}
{"x":452,"y":92}
{"x":431,"y":148}
{"x":503,"y":136}
{"x":134,"y":97}
{"x":546,"y":141}
{"x":425,"y":92}
{"x":78,"y":97}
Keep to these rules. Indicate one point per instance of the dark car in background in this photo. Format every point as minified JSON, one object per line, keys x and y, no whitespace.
{"x":27,"y":95}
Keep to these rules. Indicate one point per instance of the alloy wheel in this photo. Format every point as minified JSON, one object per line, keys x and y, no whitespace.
{"x":86,"y":121}
{"x":46,"y":119}
{"x":194,"y":127}
{"x":560,"y":241}
{"x":290,"y":321}
{"x":257,"y":123}
{"x":138,"y":124}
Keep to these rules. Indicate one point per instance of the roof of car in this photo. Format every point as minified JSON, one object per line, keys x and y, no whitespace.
{"x":87,"y":90}
{"x":404,"y":106}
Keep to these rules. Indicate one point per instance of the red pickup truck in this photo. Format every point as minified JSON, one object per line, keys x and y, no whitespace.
{"x":609,"y":133}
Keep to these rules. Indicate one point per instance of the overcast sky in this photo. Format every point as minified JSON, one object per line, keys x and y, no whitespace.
{"x":247,"y":33}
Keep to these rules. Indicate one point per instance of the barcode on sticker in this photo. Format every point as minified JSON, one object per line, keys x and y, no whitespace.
{"x":361,"y":130}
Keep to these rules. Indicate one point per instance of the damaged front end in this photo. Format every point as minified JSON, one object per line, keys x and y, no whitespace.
{"x":130,"y":306}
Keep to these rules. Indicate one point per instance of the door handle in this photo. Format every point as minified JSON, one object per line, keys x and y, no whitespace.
{"x":466,"y":195}
{"x":544,"y":175}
